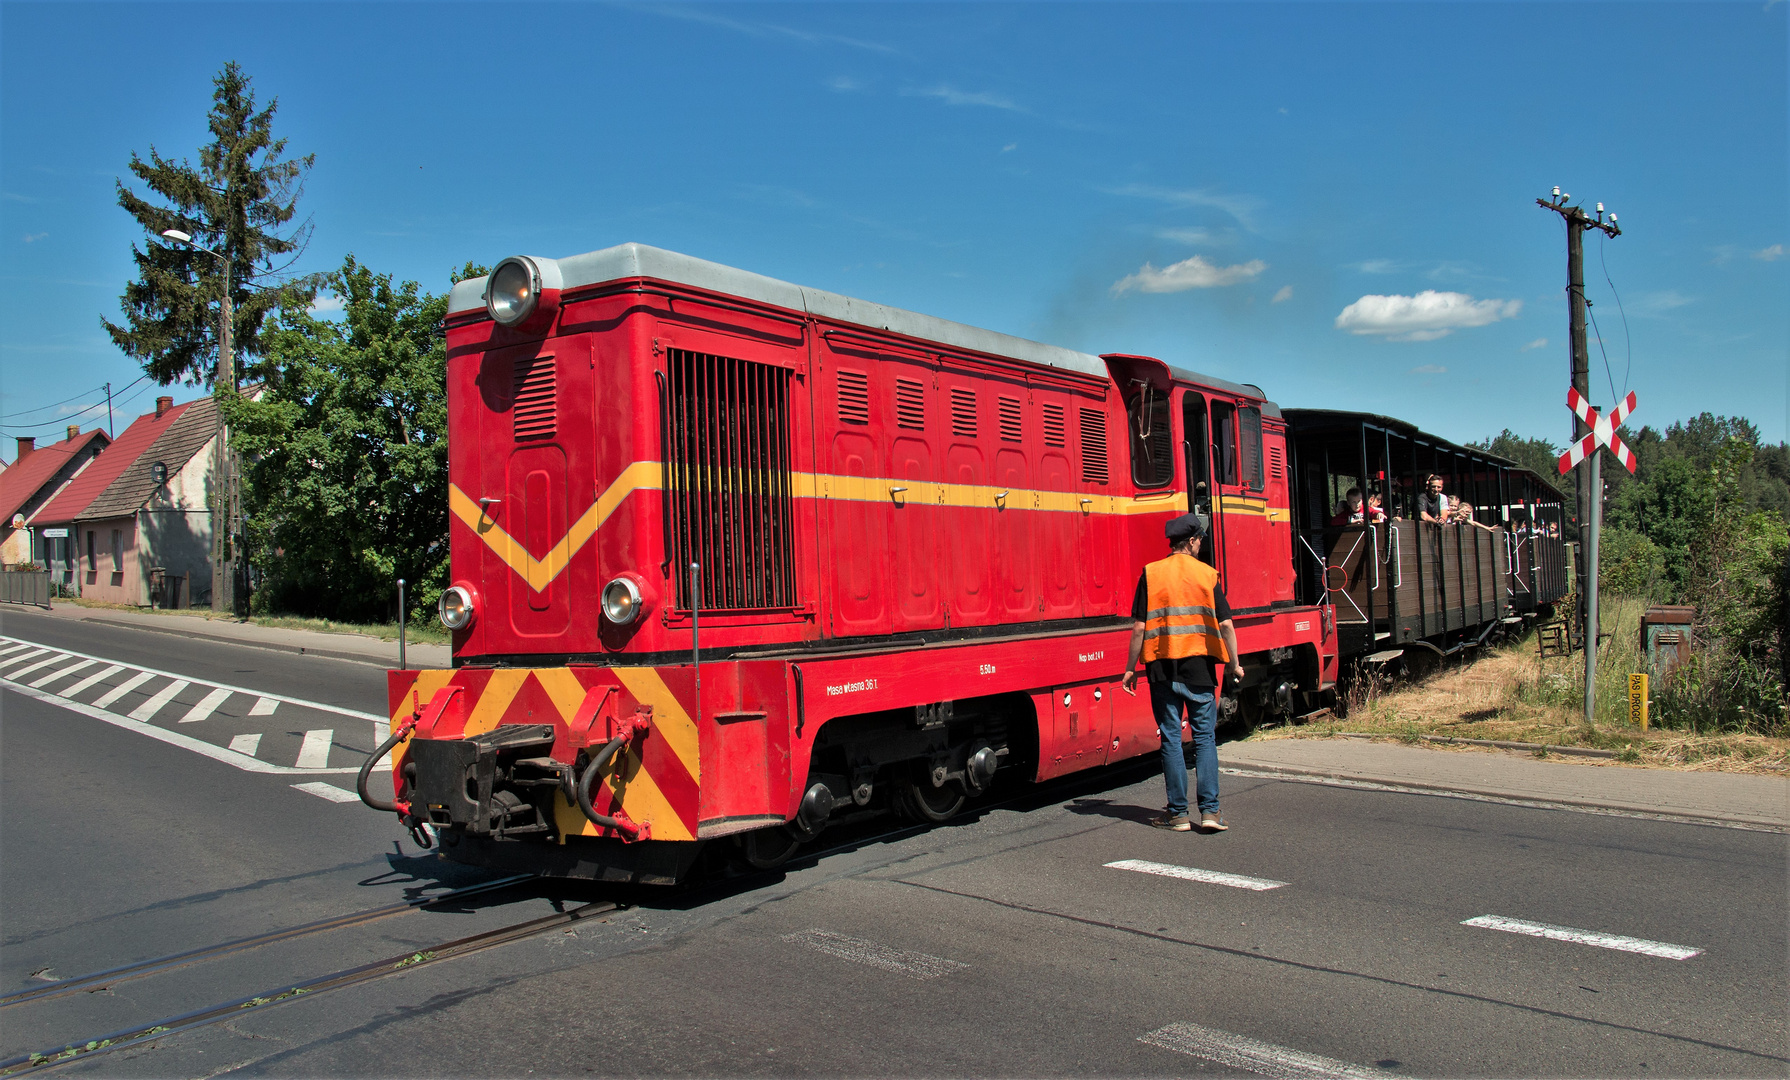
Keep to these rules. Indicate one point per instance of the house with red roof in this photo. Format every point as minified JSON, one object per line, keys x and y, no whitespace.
{"x":34,"y":478}
{"x":140,"y":515}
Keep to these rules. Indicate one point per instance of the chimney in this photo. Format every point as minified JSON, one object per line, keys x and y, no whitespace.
{"x":74,"y":432}
{"x":27,"y":444}
{"x":162,"y":405}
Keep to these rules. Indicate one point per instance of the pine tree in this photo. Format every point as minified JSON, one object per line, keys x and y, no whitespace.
{"x":235,"y":203}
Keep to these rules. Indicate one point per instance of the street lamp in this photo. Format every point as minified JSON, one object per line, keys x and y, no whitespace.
{"x":223,"y":583}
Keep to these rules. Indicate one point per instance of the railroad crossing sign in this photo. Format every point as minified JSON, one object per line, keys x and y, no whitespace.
{"x":1603,"y":430}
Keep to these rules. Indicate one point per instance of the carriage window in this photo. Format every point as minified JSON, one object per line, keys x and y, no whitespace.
{"x":1152,"y":445}
{"x":1252,"y":446}
{"x":1224,"y":442}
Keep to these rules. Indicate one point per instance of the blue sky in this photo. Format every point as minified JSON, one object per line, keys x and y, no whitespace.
{"x":1332,"y":201}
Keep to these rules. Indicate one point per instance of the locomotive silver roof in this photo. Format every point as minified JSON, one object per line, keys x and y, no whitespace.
{"x":641,"y":261}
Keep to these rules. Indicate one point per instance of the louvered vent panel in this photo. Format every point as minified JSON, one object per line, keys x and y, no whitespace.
{"x":854,"y":396}
{"x":1054,"y":433}
{"x":727,"y":502}
{"x":963,"y":412}
{"x":1274,"y":466}
{"x":910,"y":404}
{"x":1093,"y":446}
{"x":1009,"y":419}
{"x":534,"y":410}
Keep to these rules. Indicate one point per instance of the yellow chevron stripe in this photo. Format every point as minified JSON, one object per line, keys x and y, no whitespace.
{"x":494,"y":700}
{"x":539,"y":573}
{"x":641,"y":800}
{"x":670,"y":721}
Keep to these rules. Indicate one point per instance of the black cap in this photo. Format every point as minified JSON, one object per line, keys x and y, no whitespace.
{"x":1185,"y":526}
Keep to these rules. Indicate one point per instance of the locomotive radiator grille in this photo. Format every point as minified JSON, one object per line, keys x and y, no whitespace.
{"x":727,"y":485}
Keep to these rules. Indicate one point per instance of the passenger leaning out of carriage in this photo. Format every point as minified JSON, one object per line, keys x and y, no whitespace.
{"x":1181,"y":628}
{"x":1433,"y":506}
{"x":1353,"y":511}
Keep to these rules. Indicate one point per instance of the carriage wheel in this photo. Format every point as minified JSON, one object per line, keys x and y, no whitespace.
{"x":934,"y":804}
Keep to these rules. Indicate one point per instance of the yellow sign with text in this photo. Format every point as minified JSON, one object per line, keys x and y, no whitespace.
{"x":1637,"y":701}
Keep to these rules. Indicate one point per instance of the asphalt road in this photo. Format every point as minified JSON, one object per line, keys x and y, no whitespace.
{"x":1002,"y":943}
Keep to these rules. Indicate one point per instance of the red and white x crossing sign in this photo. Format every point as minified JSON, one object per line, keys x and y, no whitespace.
{"x":1603,"y":430}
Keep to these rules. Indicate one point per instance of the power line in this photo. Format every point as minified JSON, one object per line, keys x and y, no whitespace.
{"x":51,"y":405}
{"x":1628,"y":364}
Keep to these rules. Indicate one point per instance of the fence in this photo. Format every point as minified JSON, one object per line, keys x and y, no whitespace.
{"x":25,"y":587}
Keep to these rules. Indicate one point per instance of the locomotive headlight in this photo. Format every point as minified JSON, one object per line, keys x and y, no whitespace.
{"x":457,"y":608}
{"x":621,"y":601}
{"x":513,"y":290}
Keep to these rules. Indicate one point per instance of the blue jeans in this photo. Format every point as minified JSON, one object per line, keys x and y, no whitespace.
{"x":1168,"y":699}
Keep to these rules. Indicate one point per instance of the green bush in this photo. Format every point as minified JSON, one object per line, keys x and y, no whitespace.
{"x":1628,"y":563}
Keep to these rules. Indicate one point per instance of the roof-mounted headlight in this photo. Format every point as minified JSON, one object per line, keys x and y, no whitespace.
{"x":513,"y":290}
{"x":621,"y":601}
{"x":457,"y":608}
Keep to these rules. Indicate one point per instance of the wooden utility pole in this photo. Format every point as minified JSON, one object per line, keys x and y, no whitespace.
{"x":1590,"y":482}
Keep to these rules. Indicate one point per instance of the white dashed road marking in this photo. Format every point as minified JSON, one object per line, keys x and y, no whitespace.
{"x":13,"y":648}
{"x":156,"y":703}
{"x":19,"y":658}
{"x":264,"y":706}
{"x":122,"y":689}
{"x":1585,"y":937}
{"x":912,"y":964}
{"x":63,"y":672}
{"x":206,"y":706}
{"x":313,"y":753}
{"x":1188,"y":873}
{"x":1253,"y":1055}
{"x":246,"y":744}
{"x":327,"y":791}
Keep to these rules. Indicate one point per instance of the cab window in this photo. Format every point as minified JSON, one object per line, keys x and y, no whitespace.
{"x":1224,"y":443}
{"x":1251,"y":430}
{"x":1152,"y":444}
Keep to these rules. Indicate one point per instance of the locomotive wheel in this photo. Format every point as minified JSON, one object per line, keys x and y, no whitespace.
{"x":768,"y":848}
{"x":935,"y":804}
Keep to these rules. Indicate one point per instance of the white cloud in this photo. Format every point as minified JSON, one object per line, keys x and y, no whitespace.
{"x":1194,"y":273}
{"x":1009,"y":148}
{"x":1283,"y":110}
{"x":1658,"y":303}
{"x":32,"y":238}
{"x":759,"y":30}
{"x":1377,"y":266}
{"x":1770,"y":254}
{"x":1424,"y":317}
{"x":1241,"y":207}
{"x":1285,"y":293}
{"x":1187,"y":236}
{"x":845,"y":84}
{"x":325,"y":304}
{"x":1429,"y":369}
{"x":952,"y":96}
{"x":1538,"y":343}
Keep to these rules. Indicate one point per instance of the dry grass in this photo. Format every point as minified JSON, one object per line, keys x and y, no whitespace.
{"x":1509,"y":693}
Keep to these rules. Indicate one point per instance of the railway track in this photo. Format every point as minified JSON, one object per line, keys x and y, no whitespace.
{"x":138,"y":1035}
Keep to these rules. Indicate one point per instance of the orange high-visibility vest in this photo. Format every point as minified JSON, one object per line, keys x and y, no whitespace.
{"x":1182,"y":618}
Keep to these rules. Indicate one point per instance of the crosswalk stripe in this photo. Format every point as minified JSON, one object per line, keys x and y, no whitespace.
{"x":148,"y":709}
{"x":14,"y":648}
{"x":327,"y":791}
{"x":1252,"y":1055}
{"x":914,"y":965}
{"x":38,"y":666}
{"x":63,"y":672}
{"x":206,"y":706}
{"x":20,"y":658}
{"x":97,"y":677}
{"x":313,"y":753}
{"x":122,"y":689}
{"x":264,"y":706}
{"x":246,"y":744}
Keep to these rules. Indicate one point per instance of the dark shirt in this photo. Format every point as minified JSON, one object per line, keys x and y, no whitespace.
{"x":1431,"y":505}
{"x":1196,"y":672}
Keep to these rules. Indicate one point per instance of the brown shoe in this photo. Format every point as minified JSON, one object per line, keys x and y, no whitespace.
{"x":1211,"y":823}
{"x":1173,"y":822}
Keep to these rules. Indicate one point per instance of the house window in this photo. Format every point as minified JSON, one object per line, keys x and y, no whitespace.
{"x":117,"y":551}
{"x":92,"y":561}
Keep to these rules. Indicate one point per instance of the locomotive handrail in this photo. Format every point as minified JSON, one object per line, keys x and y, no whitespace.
{"x":1398,"y":564}
{"x":1374,"y":532}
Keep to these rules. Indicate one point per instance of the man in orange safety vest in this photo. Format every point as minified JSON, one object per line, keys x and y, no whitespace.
{"x":1181,"y":628}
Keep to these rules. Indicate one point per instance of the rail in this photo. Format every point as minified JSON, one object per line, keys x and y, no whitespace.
{"x":30,"y":587}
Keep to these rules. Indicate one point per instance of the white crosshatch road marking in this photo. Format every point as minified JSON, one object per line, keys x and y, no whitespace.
{"x":1188,"y":873}
{"x":327,"y":791}
{"x":122,"y":689}
{"x":148,"y":709}
{"x":314,"y":748}
{"x":207,"y":705}
{"x":1253,"y":1055}
{"x":912,"y":964}
{"x":61,"y":673}
{"x":1585,"y":937}
{"x":38,"y":666}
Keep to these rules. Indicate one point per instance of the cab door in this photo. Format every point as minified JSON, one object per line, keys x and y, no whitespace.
{"x":1241,"y":485}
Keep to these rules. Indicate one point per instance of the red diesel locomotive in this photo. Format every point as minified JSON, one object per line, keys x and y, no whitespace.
{"x":731,"y":557}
